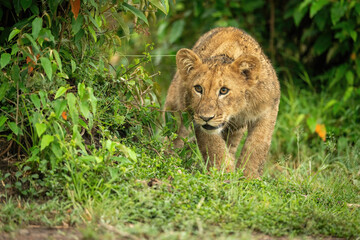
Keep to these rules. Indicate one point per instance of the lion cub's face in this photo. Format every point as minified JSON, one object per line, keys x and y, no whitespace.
{"x":216,"y":88}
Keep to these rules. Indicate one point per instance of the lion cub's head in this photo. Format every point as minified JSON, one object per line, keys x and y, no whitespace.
{"x":218,"y":88}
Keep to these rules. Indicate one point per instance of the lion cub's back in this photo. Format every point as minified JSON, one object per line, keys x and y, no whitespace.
{"x":228,"y":40}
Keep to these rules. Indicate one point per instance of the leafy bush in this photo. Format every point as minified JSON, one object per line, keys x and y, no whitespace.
{"x":68,"y":116}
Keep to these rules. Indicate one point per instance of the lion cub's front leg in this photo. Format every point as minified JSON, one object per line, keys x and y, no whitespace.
{"x":257,"y":145}
{"x":213,"y":148}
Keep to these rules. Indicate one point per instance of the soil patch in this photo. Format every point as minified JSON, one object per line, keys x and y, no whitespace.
{"x":42,"y":233}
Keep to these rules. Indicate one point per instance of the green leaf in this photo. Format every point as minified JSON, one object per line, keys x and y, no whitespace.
{"x":3,"y":89}
{"x":317,"y":6}
{"x":73,"y":65}
{"x":56,"y":149}
{"x":36,"y":27}
{"x":311,"y":122}
{"x":13,"y":33}
{"x":59,"y":106}
{"x":57,"y":58}
{"x":3,"y":120}
{"x":136,"y":12}
{"x":122,"y":24}
{"x":337,"y":12}
{"x":14,"y":49}
{"x":45,"y":141}
{"x":339,"y":74}
{"x":353,"y":35}
{"x":40,"y":128}
{"x":25,"y":4}
{"x":162,"y":5}
{"x":4,"y":60}
{"x":300,"y":12}
{"x":330,"y":104}
{"x":43,"y":97}
{"x":92,"y":100}
{"x":129,"y":153}
{"x":60,"y":92}
{"x":34,"y":44}
{"x":78,"y":138}
{"x":46,"y":64}
{"x":71,"y":102}
{"x":81,"y":90}
{"x":176,"y":30}
{"x":350,"y":78}
{"x":348,"y":93}
{"x":77,"y":24}
{"x":92,"y":32}
{"x":323,"y":42}
{"x":34,"y":9}
{"x":36,"y":100}
{"x":14,"y":128}
{"x":15,"y":73}
{"x":84,"y":108}
{"x":322,"y":19}
{"x":299,"y":119}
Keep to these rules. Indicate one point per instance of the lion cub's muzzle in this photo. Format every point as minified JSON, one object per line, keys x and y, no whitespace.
{"x":210,"y":127}
{"x":207,"y":124}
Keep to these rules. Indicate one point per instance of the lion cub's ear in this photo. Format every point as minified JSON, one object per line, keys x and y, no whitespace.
{"x":247,"y":65}
{"x":186,"y":61}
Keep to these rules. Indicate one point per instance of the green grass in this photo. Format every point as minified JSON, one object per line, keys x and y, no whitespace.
{"x":205,"y":205}
{"x":133,"y":188}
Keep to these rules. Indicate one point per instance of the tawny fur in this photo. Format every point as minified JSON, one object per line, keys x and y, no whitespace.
{"x":230,"y":58}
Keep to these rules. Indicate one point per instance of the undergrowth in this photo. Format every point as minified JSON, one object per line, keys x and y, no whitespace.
{"x":84,"y":143}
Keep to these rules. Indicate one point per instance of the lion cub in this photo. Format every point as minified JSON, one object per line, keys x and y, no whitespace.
{"x":228,"y":86}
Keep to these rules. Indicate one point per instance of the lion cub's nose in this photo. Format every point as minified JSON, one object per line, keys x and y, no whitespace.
{"x":206,"y":119}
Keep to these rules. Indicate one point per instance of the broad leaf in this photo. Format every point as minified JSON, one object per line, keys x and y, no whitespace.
{"x":3,"y":89}
{"x":92,"y":32}
{"x":73,"y":65}
{"x":36,"y":100}
{"x":40,"y":128}
{"x":122,"y":24}
{"x":136,"y":12}
{"x":13,"y":33}
{"x":3,"y":120}
{"x":45,"y":141}
{"x":162,"y":5}
{"x":36,"y":27}
{"x":59,"y":106}
{"x":31,"y":39}
{"x":60,"y":92}
{"x":176,"y":30}
{"x":337,"y":12}
{"x":317,"y":6}
{"x":4,"y":60}
{"x":71,"y":102}
{"x":46,"y":64}
{"x":57,"y":58}
{"x":25,"y":4}
{"x":311,"y":122}
{"x":15,"y":73}
{"x":14,"y":128}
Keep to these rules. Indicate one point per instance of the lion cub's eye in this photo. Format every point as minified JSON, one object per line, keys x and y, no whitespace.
{"x":224,"y":91}
{"x":198,"y":88}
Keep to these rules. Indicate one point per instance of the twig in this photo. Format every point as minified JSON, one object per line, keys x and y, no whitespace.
{"x":7,"y":149}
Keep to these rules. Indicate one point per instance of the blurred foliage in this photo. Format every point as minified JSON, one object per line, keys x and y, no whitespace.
{"x":314,"y":46}
{"x":67,"y":115}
